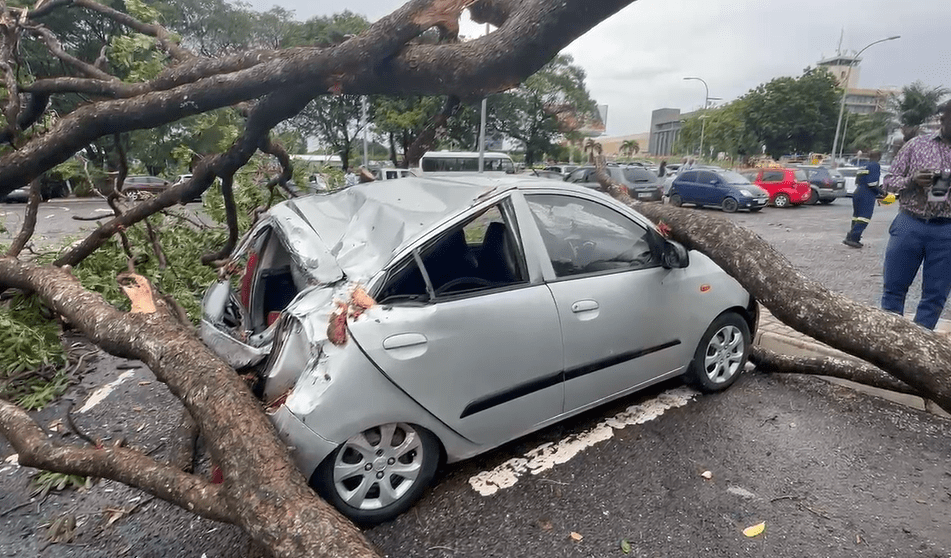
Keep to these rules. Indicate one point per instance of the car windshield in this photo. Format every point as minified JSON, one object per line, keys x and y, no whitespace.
{"x":640,"y":176}
{"x":730,"y":177}
{"x":849,"y":172}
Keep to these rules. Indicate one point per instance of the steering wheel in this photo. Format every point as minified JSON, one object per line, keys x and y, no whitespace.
{"x":476,"y":281}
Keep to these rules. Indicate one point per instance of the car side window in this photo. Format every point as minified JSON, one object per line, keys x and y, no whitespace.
{"x":577,"y":176}
{"x":583,"y":236}
{"x":479,"y":255}
{"x":689,"y":176}
{"x":772,"y":176}
{"x":707,"y":177}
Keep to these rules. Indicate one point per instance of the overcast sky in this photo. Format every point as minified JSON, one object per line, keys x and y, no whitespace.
{"x":636,"y":59}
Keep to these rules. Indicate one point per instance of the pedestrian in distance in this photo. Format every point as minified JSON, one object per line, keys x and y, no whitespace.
{"x":867,"y":190}
{"x":920,"y":235}
{"x":663,"y":169}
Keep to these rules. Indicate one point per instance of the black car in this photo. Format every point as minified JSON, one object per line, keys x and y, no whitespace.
{"x":641,"y":183}
{"x":827,"y":184}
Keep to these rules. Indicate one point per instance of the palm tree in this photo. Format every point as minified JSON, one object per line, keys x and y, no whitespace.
{"x":915,"y":105}
{"x":592,"y":148}
{"x":630,"y":147}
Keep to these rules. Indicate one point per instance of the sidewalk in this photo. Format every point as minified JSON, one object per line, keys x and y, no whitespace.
{"x":778,"y":337}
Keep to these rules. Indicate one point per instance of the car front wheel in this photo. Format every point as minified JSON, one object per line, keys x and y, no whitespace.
{"x":379,"y":473}
{"x":721,"y":354}
{"x":730,"y":205}
{"x":676,"y":200}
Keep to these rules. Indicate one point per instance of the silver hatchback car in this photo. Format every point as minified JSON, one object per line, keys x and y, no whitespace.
{"x":394,"y":325}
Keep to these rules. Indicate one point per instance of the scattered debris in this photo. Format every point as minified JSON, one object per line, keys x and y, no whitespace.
{"x":625,"y":546}
{"x":576,"y":536}
{"x":754,"y":530}
{"x":707,"y":475}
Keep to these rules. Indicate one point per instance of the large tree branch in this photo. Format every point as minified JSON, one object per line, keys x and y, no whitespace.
{"x":125,"y":465}
{"x":261,"y":482}
{"x":526,"y":41}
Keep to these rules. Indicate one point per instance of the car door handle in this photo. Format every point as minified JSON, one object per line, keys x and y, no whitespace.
{"x":403,"y":340}
{"x":584,"y":306}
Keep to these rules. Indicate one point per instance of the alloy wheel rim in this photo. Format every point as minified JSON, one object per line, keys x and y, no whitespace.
{"x":377,"y":467}
{"x":724,"y":354}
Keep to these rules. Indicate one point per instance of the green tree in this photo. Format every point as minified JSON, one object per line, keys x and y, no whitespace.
{"x":915,"y":105}
{"x":551,"y":102}
{"x":794,"y":115}
{"x":866,"y":132}
{"x":630,"y":148}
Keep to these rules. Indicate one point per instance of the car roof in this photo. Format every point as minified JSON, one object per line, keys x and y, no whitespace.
{"x":361,"y":227}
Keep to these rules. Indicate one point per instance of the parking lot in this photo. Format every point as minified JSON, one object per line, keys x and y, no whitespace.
{"x":830,"y":471}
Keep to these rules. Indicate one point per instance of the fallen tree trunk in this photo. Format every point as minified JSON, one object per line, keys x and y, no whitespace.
{"x":263,"y":491}
{"x":910,"y":353}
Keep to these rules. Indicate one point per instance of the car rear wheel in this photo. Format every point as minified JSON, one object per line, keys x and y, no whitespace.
{"x":755,"y":209}
{"x":379,"y":473}
{"x":781,"y":200}
{"x":730,"y":205}
{"x":676,"y":200}
{"x":721,"y":354}
{"x":827,"y":202}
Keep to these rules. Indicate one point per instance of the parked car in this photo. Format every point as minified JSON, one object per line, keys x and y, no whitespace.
{"x":641,"y":183}
{"x":140,"y":186}
{"x":395,"y":325}
{"x":849,"y":174}
{"x":726,"y":189}
{"x":786,"y":187}
{"x":391,"y":173}
{"x":49,"y":188}
{"x":826,"y":183}
{"x":562,"y":169}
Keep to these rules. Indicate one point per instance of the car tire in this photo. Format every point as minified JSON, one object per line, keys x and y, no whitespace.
{"x":721,"y":354}
{"x":730,"y":205}
{"x":755,"y":209}
{"x":813,"y":198}
{"x":827,"y":202}
{"x":781,"y":200}
{"x":409,"y":460}
{"x":676,"y":200}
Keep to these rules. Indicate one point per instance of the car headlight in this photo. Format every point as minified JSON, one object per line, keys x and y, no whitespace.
{"x":746,"y":192}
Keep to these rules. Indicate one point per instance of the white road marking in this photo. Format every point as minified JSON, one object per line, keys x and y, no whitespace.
{"x":546,"y":456}
{"x":104,"y":391}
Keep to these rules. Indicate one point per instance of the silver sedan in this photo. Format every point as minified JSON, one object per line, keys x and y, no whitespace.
{"x":393,"y":325}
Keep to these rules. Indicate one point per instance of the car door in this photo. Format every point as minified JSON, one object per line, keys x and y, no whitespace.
{"x":686,"y":186}
{"x":467,"y":335}
{"x":612,"y":296}
{"x":711,"y":191}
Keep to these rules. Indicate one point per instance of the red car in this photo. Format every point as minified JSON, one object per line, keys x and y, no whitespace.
{"x":785,"y":186}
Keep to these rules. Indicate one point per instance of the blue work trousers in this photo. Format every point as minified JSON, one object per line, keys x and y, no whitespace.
{"x":913,"y":242}
{"x":863,"y":205}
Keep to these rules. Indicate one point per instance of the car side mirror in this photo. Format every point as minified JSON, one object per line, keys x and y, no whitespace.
{"x":674,"y":255}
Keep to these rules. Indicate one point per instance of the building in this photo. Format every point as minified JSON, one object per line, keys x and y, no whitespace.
{"x":665,"y":126}
{"x":846,"y":70}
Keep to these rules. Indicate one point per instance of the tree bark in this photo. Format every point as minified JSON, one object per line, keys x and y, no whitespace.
{"x":914,"y":355}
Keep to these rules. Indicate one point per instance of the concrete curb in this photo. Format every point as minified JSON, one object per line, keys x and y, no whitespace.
{"x":780,"y":338}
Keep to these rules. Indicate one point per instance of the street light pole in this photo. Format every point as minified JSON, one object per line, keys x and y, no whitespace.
{"x":706,"y":100}
{"x":845,"y":90}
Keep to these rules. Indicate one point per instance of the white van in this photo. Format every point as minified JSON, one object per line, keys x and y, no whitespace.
{"x":465,"y":161}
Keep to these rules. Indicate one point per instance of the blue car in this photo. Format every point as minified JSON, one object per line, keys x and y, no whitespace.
{"x":717,"y":188}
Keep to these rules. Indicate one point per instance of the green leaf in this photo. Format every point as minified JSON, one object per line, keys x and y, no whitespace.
{"x":625,"y":546}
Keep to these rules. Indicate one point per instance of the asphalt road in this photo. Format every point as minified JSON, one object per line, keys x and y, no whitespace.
{"x":830,"y":471}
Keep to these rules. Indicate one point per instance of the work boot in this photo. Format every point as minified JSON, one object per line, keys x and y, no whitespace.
{"x":852,"y":243}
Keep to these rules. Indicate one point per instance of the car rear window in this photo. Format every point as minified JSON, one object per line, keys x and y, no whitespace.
{"x":640,"y":176}
{"x":801,"y":175}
